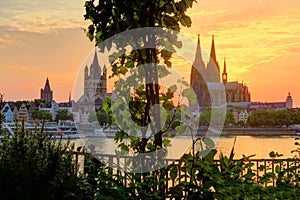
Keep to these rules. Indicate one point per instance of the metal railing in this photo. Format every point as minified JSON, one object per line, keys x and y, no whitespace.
{"x":260,"y":167}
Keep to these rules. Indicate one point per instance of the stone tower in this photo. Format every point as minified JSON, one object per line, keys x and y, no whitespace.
{"x":94,"y":81}
{"x":224,"y":74}
{"x":94,"y":86}
{"x":289,"y":101}
{"x":47,"y":93}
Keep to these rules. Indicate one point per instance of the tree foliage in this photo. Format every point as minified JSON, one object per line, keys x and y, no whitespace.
{"x":99,"y":116}
{"x":64,"y":114}
{"x":35,"y":166}
{"x":41,"y":115}
{"x":273,"y":118}
{"x":205,"y":117}
{"x":112,"y":17}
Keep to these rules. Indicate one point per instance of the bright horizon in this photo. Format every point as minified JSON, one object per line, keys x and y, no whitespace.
{"x":260,"y":40}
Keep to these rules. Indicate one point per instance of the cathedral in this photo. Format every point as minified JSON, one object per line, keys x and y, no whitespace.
{"x":205,"y":78}
{"x":94,"y":91}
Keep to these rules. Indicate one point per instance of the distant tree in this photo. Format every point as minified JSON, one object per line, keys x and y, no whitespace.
{"x":41,"y":115}
{"x":229,"y":118}
{"x":92,"y":117}
{"x":100,"y":116}
{"x":272,"y":118}
{"x":205,"y":117}
{"x":296,"y":117}
{"x":64,"y":114}
{"x":284,"y":118}
{"x":38,"y":102}
{"x":259,"y":118}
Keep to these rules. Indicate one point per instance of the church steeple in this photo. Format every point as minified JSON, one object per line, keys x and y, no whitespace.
{"x":213,"y":69}
{"x":213,"y":50}
{"x":95,"y":68}
{"x":224,"y":74}
{"x":198,"y":77}
{"x":47,"y":93}
{"x":199,"y":63}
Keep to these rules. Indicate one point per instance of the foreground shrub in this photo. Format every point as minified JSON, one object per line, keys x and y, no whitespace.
{"x":35,"y":166}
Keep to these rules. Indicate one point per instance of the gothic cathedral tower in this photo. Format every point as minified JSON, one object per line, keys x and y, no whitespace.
{"x":213,"y":68}
{"x":198,"y":77}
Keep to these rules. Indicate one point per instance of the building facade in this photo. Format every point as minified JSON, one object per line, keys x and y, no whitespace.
{"x":8,"y":113}
{"x":23,"y":113}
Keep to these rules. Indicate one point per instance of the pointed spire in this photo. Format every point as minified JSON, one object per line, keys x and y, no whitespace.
{"x":224,"y":70}
{"x":199,"y":63}
{"x":213,"y":50}
{"x":95,"y":68}
{"x":47,"y":86}
{"x":198,"y":57}
{"x":213,"y":68}
{"x":224,"y":74}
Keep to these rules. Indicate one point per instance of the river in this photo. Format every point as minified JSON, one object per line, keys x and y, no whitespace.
{"x":245,"y":145}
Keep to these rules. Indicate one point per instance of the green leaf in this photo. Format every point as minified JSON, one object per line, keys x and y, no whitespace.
{"x":190,"y":94}
{"x":166,"y":142}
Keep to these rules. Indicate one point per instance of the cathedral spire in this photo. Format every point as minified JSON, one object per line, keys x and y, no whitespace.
{"x":199,"y":63}
{"x":213,"y":68}
{"x":224,"y":74}
{"x":213,"y":50}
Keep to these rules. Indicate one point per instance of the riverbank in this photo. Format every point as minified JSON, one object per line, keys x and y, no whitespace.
{"x":260,"y":132}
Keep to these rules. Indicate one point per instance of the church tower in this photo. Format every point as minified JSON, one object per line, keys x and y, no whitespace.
{"x":224,"y":74}
{"x":213,"y":68}
{"x":94,"y":84}
{"x":47,"y":93}
{"x":198,"y":76}
{"x":289,"y":101}
{"x":92,"y":79}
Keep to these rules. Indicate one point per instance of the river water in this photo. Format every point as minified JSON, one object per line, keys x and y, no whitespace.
{"x":261,"y":146}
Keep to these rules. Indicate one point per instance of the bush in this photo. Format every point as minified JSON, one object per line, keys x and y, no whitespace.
{"x":35,"y":166}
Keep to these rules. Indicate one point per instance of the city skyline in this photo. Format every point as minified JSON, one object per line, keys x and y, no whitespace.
{"x":259,"y":39}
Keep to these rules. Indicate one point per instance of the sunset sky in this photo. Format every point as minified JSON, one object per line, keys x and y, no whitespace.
{"x":259,"y":38}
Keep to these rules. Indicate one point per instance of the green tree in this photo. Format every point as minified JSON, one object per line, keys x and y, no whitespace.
{"x":63,"y":114}
{"x":112,"y":17}
{"x":296,"y":117}
{"x":41,"y":115}
{"x":229,"y":118}
{"x":92,"y":117}
{"x":205,"y":117}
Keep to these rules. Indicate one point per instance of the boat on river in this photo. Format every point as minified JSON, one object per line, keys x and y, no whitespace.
{"x":57,"y":130}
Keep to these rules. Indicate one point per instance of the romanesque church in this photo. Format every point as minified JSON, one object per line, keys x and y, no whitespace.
{"x":95,"y":91}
